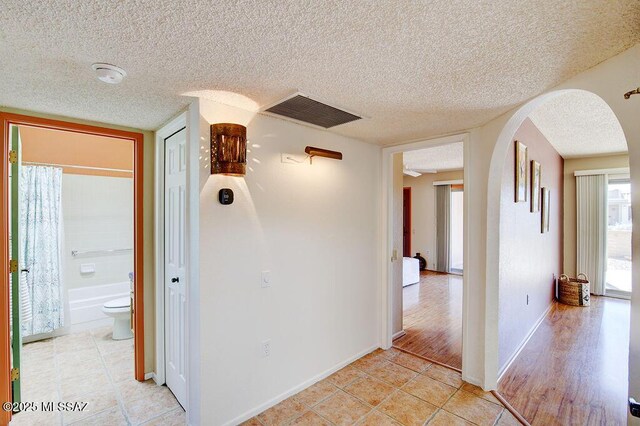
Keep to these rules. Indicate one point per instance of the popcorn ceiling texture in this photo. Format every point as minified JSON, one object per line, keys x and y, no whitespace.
{"x":439,"y":158}
{"x":416,"y":68}
{"x":579,"y":124}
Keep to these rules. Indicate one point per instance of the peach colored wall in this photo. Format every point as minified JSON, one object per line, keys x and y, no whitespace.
{"x":529,"y":259}
{"x":61,"y":147}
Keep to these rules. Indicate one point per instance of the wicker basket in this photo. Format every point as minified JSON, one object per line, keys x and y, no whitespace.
{"x":574,"y":291}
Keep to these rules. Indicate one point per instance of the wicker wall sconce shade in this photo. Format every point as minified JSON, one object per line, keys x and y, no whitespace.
{"x":228,"y":149}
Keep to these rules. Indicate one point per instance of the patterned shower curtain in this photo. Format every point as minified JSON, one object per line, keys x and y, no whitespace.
{"x":41,"y":246}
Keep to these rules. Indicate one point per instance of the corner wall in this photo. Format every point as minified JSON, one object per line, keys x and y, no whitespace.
{"x":570,"y":166}
{"x":529,"y":259}
{"x":316,"y":229}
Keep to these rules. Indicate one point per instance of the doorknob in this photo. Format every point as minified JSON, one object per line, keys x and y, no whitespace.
{"x":175,"y":280}
{"x":634,"y":407}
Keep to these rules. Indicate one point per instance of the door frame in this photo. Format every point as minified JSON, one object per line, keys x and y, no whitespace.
{"x":386,"y":249}
{"x":175,"y":125}
{"x":8,"y":119}
{"x":407,"y":190}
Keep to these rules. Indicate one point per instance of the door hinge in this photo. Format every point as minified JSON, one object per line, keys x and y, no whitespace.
{"x":15,"y":374}
{"x":13,"y":157}
{"x":13,"y":266}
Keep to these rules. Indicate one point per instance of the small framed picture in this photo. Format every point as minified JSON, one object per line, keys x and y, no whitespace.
{"x":546,"y":199}
{"x":522,"y":162}
{"x":536,"y":171}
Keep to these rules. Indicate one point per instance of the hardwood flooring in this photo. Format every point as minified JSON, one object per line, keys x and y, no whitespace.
{"x":432,"y":318}
{"x":574,"y":370}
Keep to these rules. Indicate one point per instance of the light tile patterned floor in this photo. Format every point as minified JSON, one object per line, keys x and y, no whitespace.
{"x":389,"y":388}
{"x":91,"y":367}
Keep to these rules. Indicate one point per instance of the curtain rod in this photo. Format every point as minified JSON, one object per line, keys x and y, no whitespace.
{"x":33,"y":163}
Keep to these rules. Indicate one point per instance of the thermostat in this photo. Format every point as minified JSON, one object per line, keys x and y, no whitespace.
{"x":225,"y":196}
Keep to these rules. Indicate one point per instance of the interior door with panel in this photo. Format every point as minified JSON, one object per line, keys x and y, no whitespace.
{"x":174,"y":255}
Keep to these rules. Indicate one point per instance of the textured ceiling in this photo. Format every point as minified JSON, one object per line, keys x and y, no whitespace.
{"x":580,"y":124}
{"x":439,"y":158}
{"x":416,"y":68}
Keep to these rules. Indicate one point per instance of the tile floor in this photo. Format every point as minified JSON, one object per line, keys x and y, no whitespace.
{"x":91,"y":367}
{"x":389,"y":388}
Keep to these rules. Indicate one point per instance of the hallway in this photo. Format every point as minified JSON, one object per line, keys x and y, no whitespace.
{"x":432,"y":318}
{"x":574,"y":370}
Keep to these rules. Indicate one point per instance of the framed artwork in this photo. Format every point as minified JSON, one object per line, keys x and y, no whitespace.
{"x":536,"y":171}
{"x":522,"y":161}
{"x":545,"y":209}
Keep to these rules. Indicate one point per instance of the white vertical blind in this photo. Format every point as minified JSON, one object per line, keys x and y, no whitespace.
{"x":591,"y":206}
{"x":443,"y":227}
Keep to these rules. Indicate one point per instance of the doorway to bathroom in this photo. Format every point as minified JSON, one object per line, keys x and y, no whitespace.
{"x":72,"y":259}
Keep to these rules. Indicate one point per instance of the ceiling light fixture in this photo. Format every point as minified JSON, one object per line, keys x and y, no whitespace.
{"x":109,"y":73}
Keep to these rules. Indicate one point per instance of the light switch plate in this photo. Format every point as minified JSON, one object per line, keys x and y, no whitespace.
{"x":265,"y":279}
{"x":87,"y":268}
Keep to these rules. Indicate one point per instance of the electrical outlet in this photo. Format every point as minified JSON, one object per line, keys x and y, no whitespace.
{"x":265,"y":348}
{"x":265,"y":280}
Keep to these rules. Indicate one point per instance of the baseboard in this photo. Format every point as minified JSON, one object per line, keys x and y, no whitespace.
{"x":150,"y":375}
{"x":525,"y":341}
{"x":398,"y":335}
{"x":255,"y":411}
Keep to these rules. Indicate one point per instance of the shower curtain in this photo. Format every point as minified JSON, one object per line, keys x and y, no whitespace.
{"x":41,"y":246}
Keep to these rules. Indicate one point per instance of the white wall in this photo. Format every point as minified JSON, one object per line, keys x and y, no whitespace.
{"x":316,"y":228}
{"x":423,"y":212}
{"x":98,"y":214}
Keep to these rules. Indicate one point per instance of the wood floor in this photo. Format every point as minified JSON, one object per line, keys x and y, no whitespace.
{"x":432,"y":318}
{"x":574,"y":370}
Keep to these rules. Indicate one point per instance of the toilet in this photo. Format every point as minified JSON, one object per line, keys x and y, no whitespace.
{"x":120,"y":311}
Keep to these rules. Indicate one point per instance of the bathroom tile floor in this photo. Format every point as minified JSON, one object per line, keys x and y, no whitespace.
{"x":389,"y":388}
{"x":91,"y":367}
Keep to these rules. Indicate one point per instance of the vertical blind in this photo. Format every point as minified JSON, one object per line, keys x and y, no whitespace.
{"x":591,"y":206}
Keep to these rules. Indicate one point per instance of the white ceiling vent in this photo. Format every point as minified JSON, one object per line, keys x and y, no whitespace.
{"x":300,"y":107}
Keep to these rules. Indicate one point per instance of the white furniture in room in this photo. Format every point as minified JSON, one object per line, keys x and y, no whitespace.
{"x":410,"y":271}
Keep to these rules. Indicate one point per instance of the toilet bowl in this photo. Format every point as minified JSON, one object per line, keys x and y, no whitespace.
{"x":120,"y":311}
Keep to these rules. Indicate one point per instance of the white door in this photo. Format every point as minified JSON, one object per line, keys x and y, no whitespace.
{"x":174,"y":276}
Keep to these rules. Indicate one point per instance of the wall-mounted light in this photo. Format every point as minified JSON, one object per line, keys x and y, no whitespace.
{"x":228,"y":149}
{"x":319,"y":152}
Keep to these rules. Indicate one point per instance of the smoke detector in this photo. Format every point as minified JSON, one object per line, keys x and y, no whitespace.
{"x":109,"y":73}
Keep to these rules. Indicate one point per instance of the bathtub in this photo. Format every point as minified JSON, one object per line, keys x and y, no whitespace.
{"x":85,"y":304}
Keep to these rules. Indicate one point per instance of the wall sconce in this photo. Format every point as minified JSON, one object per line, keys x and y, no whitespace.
{"x":228,"y":149}
{"x":319,"y":152}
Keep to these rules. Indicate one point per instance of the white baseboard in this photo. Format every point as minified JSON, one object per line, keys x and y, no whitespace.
{"x":524,"y":342}
{"x":150,"y":375}
{"x":255,"y":411}
{"x":398,"y":335}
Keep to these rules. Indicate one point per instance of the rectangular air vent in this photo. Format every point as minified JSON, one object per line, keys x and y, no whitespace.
{"x":303,"y":108}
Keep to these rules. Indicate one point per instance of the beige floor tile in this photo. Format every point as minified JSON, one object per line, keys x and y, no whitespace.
{"x":73,"y":389}
{"x":444,"y":418}
{"x":376,"y":418}
{"x":472,"y":408}
{"x":368,"y":362}
{"x":132,"y":390}
{"x":310,"y":419}
{"x":342,"y":409}
{"x":145,"y":409}
{"x":411,"y":362}
{"x":345,"y":376}
{"x":478,"y":391}
{"x":110,"y":417}
{"x":77,"y":357}
{"x":444,"y":375}
{"x":87,"y":368}
{"x":392,"y":373}
{"x":390,"y":353}
{"x":176,"y":417}
{"x":35,"y":418}
{"x":370,"y":390}
{"x":407,"y":409}
{"x":109,"y":346}
{"x":282,"y":413}
{"x":251,"y":422}
{"x":507,"y":419}
{"x":316,"y":393}
{"x":96,"y":402}
{"x":430,"y":390}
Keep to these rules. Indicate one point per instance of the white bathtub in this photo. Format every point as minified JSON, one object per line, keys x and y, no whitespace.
{"x":85,"y":304}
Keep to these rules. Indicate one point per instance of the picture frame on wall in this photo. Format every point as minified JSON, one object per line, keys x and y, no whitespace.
{"x":546,"y":199}
{"x":522,"y":163}
{"x":536,"y":175}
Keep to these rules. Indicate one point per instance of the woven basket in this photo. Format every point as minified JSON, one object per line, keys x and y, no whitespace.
{"x":574,"y":291}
